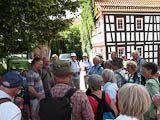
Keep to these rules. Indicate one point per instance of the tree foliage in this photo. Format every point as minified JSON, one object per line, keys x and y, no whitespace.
{"x":68,"y":41}
{"x":24,"y":23}
{"x":87,"y":24}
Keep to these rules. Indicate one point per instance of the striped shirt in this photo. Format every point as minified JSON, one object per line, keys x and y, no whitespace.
{"x":76,"y":68}
{"x":34,"y":79}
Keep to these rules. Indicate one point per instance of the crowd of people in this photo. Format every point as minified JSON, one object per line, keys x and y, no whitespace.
{"x":117,"y":88}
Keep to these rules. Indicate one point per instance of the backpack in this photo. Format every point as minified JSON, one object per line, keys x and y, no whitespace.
{"x":104,"y":111}
{"x":2,"y":100}
{"x":56,"y":108}
{"x":123,"y":80}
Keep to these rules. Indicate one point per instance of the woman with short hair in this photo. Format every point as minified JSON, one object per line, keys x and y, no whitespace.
{"x":54,"y":58}
{"x":110,"y":85}
{"x":133,"y":76}
{"x":134,"y":101}
{"x":150,"y":70}
{"x":95,"y":83}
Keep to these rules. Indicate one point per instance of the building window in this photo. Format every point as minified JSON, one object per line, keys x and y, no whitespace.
{"x":139,"y":23}
{"x":140,"y":50}
{"x":120,"y":23}
{"x":121,"y":51}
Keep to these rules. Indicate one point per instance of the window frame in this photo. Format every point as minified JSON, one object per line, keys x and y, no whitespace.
{"x":140,"y":53}
{"x":121,"y":48}
{"x":142,"y":23}
{"x":123,"y":23}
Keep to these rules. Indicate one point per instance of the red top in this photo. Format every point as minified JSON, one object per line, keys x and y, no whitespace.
{"x":94,"y":103}
{"x":0,"y":80}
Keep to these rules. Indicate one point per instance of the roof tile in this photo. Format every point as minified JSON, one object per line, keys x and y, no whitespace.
{"x":129,"y":5}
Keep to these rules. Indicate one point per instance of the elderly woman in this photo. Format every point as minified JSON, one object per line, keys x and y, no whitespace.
{"x":53,"y":59}
{"x":110,"y":85}
{"x":134,"y":101}
{"x":95,"y":83}
{"x":150,"y":70}
{"x":133,"y":76}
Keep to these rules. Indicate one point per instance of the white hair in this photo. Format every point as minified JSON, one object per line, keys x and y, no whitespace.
{"x":135,"y":52}
{"x":108,"y":75}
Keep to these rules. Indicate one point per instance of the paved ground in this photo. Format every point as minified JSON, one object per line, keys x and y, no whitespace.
{"x":82,"y":85}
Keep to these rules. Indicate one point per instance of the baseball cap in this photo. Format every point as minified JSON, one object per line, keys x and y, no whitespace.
{"x":62,"y":68}
{"x":84,"y":54}
{"x":73,"y":54}
{"x":13,"y":79}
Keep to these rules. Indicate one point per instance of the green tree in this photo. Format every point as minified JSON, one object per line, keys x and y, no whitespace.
{"x":87,"y":24}
{"x":24,"y":23}
{"x":68,"y":41}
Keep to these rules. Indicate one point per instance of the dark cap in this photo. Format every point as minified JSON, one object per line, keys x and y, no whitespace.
{"x":118,"y":62}
{"x":62,"y":68}
{"x":12,"y":80}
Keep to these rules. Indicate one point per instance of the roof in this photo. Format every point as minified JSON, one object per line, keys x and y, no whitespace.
{"x":128,"y":5}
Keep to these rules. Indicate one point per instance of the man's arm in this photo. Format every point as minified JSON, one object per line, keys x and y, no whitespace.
{"x":33,"y":92}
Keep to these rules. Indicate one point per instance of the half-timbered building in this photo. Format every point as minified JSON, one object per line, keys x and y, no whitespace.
{"x":127,"y":25}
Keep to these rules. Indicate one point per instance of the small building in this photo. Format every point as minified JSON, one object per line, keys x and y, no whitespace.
{"x":126,"y":25}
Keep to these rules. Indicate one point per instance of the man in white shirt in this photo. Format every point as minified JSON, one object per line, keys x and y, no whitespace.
{"x":85,"y":64}
{"x":75,"y":83}
{"x":11,"y":84}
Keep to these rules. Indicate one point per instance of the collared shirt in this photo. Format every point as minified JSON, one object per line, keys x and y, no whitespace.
{"x":96,"y":70}
{"x":124,"y":117}
{"x":140,"y":61}
{"x":111,"y":89}
{"x":152,"y":86}
{"x":81,"y":108}
{"x":8,"y":110}
{"x":34,"y":79}
{"x":75,"y":67}
{"x":85,"y":64}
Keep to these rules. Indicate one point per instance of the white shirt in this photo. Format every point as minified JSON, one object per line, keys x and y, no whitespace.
{"x":111,"y":89}
{"x":8,"y":110}
{"x":124,"y":117}
{"x":75,"y":67}
{"x":85,"y":64}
